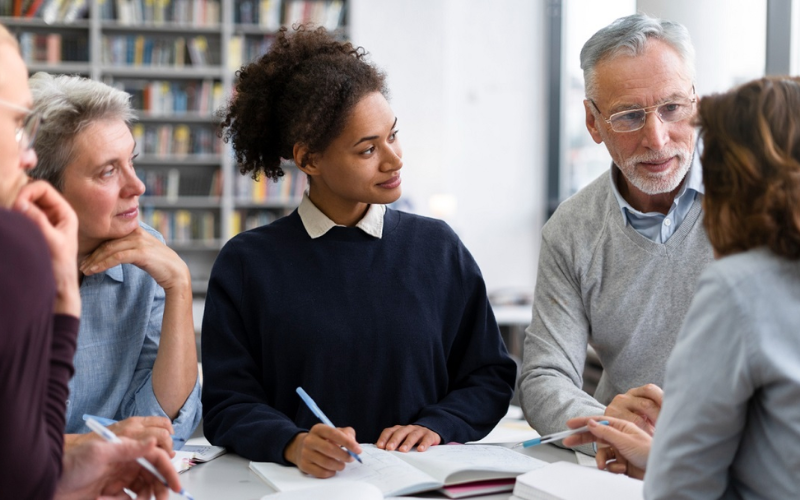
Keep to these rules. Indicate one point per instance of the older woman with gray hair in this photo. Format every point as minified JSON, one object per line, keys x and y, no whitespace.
{"x":136,"y":360}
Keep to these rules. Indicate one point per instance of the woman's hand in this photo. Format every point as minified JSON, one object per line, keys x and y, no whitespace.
{"x":139,"y":428}
{"x":144,"y":251}
{"x":319,"y":452}
{"x":59,"y":225}
{"x":626,"y":440}
{"x":101,"y":469}
{"x":405,"y":437}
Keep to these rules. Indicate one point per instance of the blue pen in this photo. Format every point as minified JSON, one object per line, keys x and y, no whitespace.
{"x":555,"y":437}
{"x":112,"y":438}
{"x":316,"y":411}
{"x":108,"y":421}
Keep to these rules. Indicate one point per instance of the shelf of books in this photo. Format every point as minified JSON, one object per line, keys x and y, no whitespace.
{"x":178,"y":61}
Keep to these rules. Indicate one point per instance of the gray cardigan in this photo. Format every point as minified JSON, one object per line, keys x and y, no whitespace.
{"x":602,"y":283}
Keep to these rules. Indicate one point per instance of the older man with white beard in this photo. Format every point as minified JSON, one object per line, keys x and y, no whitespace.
{"x":620,"y":259}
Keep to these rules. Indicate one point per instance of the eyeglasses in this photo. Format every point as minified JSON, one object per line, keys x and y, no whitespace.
{"x":26,"y":133}
{"x":634,"y":119}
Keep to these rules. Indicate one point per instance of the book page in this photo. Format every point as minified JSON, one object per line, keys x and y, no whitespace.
{"x":380,"y":468}
{"x":454,"y":464}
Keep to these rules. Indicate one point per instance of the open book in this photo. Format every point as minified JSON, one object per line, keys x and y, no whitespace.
{"x":396,"y":473}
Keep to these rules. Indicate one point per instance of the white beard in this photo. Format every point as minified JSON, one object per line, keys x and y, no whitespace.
{"x":657,"y":183}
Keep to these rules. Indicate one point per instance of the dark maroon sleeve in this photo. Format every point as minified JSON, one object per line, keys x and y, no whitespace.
{"x":36,"y":350}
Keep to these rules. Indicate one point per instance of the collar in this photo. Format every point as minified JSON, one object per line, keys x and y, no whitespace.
{"x":317,"y":223}
{"x":694,"y":182}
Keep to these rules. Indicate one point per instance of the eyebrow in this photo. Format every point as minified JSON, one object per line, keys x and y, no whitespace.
{"x":670,"y":98}
{"x":373,"y":137}
{"x":111,"y":161}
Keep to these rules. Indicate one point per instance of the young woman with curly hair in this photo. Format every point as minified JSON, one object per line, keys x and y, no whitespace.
{"x":730,"y":425}
{"x":381,"y":316}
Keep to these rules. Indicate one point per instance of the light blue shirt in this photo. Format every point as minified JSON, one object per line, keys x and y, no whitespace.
{"x":118,"y":341}
{"x":656,"y":226}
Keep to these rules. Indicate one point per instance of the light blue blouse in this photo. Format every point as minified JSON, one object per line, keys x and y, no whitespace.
{"x":118,"y":341}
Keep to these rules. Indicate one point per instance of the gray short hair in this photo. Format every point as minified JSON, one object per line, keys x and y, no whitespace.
{"x":68,"y":104}
{"x":629,"y":36}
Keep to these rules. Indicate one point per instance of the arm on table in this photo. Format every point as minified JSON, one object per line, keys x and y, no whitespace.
{"x":555,"y":348}
{"x":482,"y":374}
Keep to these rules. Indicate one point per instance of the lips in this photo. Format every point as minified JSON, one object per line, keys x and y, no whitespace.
{"x":657,"y":165}
{"x":391,"y":183}
{"x":130,"y":213}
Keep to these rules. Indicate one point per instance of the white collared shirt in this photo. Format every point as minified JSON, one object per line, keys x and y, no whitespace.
{"x":317,"y":223}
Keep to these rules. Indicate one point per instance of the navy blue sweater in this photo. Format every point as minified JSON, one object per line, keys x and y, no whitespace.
{"x":380,"y":332}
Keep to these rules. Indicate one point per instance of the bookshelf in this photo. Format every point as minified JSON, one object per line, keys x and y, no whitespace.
{"x":177,"y":59}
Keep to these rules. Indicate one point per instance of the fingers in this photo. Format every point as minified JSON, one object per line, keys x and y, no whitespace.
{"x":583,"y":437}
{"x":404,"y":437}
{"x":159,"y":428}
{"x":640,"y":405}
{"x":320,"y":453}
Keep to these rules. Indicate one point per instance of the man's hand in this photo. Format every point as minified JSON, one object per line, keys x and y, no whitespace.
{"x":101,"y":469}
{"x":139,"y":428}
{"x":629,"y":445}
{"x":405,"y":437}
{"x":319,"y":452}
{"x":640,"y":405}
{"x":59,"y":225}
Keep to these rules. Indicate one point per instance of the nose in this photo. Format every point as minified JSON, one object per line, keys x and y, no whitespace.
{"x":655,"y":133}
{"x":133,"y":185}
{"x":394,"y":158}
{"x":28,"y":159}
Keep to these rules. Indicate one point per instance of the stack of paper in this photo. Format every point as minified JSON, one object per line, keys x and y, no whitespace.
{"x":568,"y":481}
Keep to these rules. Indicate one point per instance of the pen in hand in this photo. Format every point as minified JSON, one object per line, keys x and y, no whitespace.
{"x":109,"y":436}
{"x":318,"y":412}
{"x":555,"y":437}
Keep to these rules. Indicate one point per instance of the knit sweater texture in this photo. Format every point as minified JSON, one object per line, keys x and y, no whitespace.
{"x":379,"y":331}
{"x":603,"y":284}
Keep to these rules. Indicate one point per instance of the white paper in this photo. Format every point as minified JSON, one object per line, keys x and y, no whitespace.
{"x":381,"y":469}
{"x":568,"y":481}
{"x":453,"y":464}
{"x":339,"y":491}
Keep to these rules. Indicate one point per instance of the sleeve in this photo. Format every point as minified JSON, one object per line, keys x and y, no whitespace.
{"x":555,"y":348}
{"x":695,"y":444}
{"x":235,"y":403}
{"x":141,"y":398}
{"x":481,"y":373}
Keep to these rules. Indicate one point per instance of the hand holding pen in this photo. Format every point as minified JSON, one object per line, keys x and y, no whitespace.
{"x":325,"y":449}
{"x":555,"y":437}
{"x":142,"y":428}
{"x":114,"y":466}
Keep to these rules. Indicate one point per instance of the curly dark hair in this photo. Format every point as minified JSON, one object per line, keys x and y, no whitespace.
{"x":302,"y":91}
{"x":751,"y":167}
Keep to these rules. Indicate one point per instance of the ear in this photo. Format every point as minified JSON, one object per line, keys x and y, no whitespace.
{"x":304,"y":160}
{"x":591,"y":122}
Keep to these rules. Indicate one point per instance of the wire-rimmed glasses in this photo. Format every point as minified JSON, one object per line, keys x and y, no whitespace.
{"x":632,"y":120}
{"x":25,"y":133}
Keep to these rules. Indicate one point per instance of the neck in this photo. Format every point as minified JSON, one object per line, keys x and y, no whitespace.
{"x":342,"y":212}
{"x":644,"y":202}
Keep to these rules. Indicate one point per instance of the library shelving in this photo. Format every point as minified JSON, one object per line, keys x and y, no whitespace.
{"x":178,"y":61}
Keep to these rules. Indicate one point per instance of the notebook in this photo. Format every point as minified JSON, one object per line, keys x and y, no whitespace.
{"x":395,"y":473}
{"x":568,"y":481}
